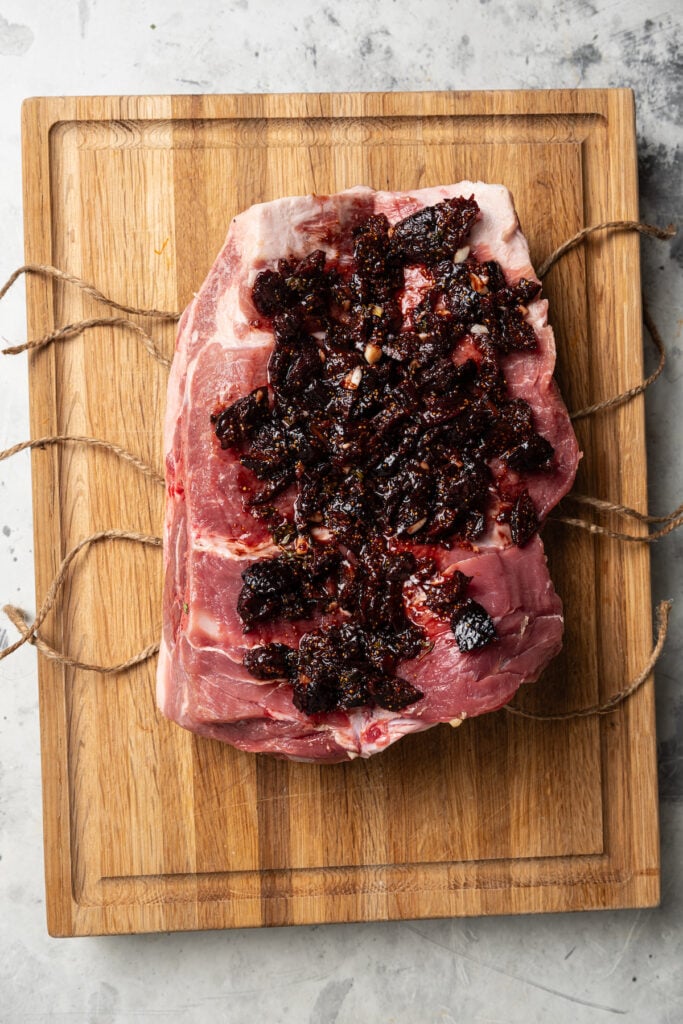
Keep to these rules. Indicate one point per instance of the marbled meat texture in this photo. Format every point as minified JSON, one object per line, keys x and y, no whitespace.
{"x":210,"y":538}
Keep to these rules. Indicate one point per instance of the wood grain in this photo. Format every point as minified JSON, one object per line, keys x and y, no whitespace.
{"x":149,"y":828}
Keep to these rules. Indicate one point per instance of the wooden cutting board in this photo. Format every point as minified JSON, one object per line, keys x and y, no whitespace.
{"x":148,"y":827}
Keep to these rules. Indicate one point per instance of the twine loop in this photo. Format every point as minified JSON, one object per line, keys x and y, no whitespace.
{"x":45,"y":270}
{"x":613,"y":702}
{"x":73,"y":330}
{"x":29,"y":633}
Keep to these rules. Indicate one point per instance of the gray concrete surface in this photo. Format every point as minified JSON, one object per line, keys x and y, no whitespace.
{"x":569,"y":969}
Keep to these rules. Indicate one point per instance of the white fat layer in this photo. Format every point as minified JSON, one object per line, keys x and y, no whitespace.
{"x":203,"y":622}
{"x":353,"y":737}
{"x":231,"y":549}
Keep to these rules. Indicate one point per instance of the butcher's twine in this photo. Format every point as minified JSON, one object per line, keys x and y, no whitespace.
{"x":29,"y":633}
{"x":92,"y":442}
{"x":61,"y":275}
{"x":663,"y":610}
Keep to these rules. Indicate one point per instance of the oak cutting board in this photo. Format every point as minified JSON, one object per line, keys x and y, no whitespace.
{"x":150,"y":828}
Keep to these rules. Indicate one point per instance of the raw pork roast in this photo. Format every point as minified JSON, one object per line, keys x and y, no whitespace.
{"x":213,"y":535}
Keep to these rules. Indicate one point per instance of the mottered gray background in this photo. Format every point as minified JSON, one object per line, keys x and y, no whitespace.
{"x":577,"y":968}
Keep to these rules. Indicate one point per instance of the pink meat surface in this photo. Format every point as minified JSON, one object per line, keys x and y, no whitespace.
{"x":210,"y":538}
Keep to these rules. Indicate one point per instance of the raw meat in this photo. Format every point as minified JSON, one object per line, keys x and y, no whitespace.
{"x":222,"y":354}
